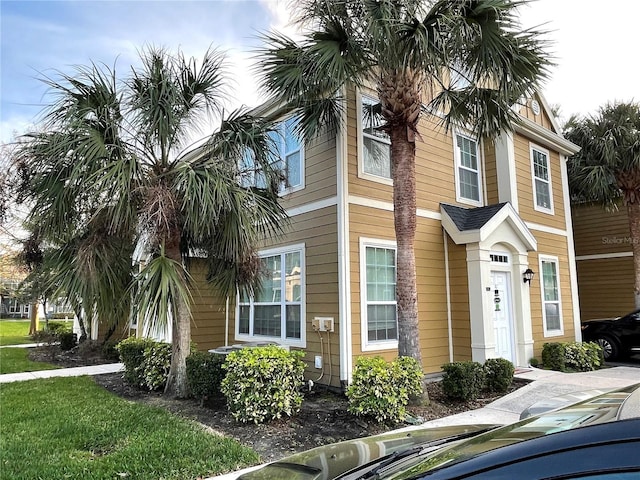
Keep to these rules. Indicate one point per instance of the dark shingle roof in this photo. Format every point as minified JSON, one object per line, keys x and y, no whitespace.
{"x":471,"y":218}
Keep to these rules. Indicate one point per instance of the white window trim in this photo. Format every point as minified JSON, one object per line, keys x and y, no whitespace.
{"x":537,"y":207}
{"x":366,"y":345}
{"x":361,"y":173}
{"x":458,"y":164}
{"x":282,"y":340}
{"x":550,"y":333}
{"x":287,"y":190}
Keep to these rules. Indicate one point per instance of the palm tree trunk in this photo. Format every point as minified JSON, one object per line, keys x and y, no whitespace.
{"x":33,"y":315}
{"x":177,"y":386}
{"x":633,"y":210}
{"x":403,"y":153}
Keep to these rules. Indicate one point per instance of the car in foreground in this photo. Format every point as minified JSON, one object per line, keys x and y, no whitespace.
{"x":596,"y":439}
{"x":617,"y":336}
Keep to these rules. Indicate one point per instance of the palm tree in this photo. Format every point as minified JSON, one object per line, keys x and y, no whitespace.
{"x":113,"y":181}
{"x":607,"y":168}
{"x":467,"y":60}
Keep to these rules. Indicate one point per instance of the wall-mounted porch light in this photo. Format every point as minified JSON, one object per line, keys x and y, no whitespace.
{"x":528,"y":275}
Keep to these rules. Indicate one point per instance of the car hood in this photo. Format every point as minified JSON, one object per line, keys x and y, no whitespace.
{"x":329,"y":461}
{"x":601,"y":320}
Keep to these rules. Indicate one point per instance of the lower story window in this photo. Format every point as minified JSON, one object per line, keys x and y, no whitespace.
{"x":552,"y":310}
{"x":275,"y":310}
{"x":379,"y":294}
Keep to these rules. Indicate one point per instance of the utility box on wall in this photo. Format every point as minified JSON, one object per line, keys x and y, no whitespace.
{"x":323,"y":324}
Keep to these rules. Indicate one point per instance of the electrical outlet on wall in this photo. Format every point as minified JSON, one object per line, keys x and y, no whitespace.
{"x":322,"y":324}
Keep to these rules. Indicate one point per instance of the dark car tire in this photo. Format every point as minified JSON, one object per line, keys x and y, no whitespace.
{"x":610,"y":347}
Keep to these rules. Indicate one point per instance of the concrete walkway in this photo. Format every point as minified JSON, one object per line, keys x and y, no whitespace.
{"x":62,"y":372}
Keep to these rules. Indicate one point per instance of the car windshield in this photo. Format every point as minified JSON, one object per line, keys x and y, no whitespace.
{"x":597,"y":410}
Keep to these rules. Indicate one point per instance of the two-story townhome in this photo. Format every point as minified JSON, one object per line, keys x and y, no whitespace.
{"x":488,"y":215}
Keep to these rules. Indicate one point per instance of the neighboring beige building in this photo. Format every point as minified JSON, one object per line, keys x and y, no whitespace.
{"x":605,"y":261}
{"x":486,"y":213}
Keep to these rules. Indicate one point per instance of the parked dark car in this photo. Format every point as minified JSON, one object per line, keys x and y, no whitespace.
{"x":617,"y":336}
{"x":598,"y":438}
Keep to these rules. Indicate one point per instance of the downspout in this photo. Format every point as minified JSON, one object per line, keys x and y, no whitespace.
{"x":226,"y":323}
{"x":344,"y":276}
{"x":447,"y":285}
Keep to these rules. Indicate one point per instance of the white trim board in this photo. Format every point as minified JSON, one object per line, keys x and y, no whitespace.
{"x":603,"y":256}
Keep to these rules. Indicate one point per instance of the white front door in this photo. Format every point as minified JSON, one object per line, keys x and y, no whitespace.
{"x":502,"y":314}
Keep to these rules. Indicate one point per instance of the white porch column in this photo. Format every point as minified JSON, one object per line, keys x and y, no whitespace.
{"x":522,"y":311}
{"x":480,"y":303}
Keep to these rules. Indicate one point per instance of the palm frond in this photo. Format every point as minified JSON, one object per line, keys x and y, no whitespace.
{"x":160,"y":284}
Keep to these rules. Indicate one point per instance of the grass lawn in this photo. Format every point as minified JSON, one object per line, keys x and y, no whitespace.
{"x":13,"y":360}
{"x":63,"y":428}
{"x":14,"y":332}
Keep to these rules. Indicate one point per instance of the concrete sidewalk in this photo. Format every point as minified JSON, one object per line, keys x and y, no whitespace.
{"x":62,"y":372}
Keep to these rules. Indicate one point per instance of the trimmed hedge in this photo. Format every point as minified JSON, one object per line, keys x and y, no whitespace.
{"x":498,"y":374}
{"x":572,"y":356}
{"x":205,"y":375}
{"x":381,"y":390}
{"x":263,"y":383}
{"x":131,"y":352}
{"x":463,"y":380}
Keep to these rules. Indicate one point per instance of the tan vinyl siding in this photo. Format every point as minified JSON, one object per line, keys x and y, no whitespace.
{"x":553,"y":246}
{"x":208,"y":310}
{"x":319,"y":173}
{"x":460,"y":318}
{"x":525,"y":186}
{"x":541,"y":119}
{"x":490,"y":172}
{"x":606,"y":287}
{"x":598,"y":231}
{"x":432,"y":308}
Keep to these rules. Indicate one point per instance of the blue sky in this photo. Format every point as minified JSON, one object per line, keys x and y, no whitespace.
{"x":595,"y":48}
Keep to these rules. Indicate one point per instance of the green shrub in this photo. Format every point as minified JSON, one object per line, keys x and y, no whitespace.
{"x":155,"y":365}
{"x":463,"y":380}
{"x":205,"y":374}
{"x":533,"y":361}
{"x":572,"y":356}
{"x":553,"y":355}
{"x":57,"y":328}
{"x":263,"y":383}
{"x":498,"y":374}
{"x":583,"y":357}
{"x":382,"y":390}
{"x":131,"y":352}
{"x":110,"y":350}
{"x":68,"y":340}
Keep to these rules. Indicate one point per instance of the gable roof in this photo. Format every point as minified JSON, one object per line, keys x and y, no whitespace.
{"x":472,"y":225}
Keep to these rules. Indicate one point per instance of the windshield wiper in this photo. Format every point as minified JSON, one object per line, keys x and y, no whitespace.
{"x":372,"y":470}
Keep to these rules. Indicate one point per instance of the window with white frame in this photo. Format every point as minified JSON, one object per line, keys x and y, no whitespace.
{"x":541,"y":172}
{"x":290,"y":160}
{"x":551,"y":304}
{"x":376,"y":145}
{"x":378,"y":280}
{"x":468,"y":186}
{"x":276,"y":309}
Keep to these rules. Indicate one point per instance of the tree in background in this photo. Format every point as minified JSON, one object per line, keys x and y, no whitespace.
{"x":607,"y":168}
{"x":467,"y":60}
{"x":112,"y":180}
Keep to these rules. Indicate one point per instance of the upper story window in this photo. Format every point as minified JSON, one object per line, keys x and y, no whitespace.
{"x":468,"y":178}
{"x":551,"y":304}
{"x":289,"y":159}
{"x":378,"y":294}
{"x":276,"y":311}
{"x":375,"y":158}
{"x":541,"y":173}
